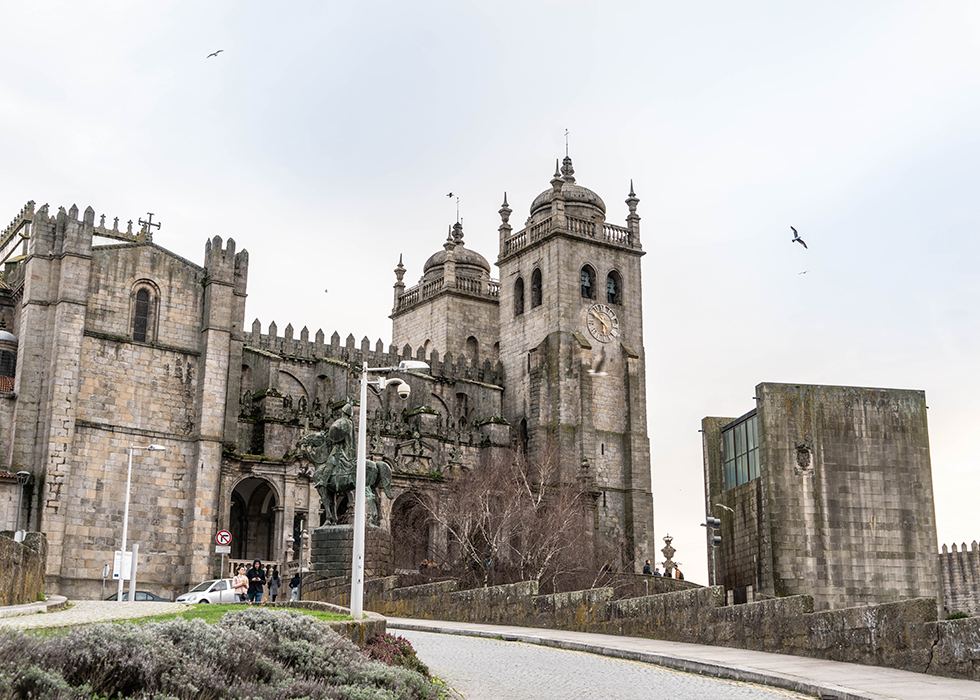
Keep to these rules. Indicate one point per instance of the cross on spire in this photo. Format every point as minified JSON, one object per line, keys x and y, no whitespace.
{"x":566,"y":143}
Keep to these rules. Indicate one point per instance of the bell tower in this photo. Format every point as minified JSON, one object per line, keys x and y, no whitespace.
{"x":571,"y":346}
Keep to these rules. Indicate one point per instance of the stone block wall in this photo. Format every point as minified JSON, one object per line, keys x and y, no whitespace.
{"x":904,"y":634}
{"x":22,"y":567}
{"x":961,"y":578}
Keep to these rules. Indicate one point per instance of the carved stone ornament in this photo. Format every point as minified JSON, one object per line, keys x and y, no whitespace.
{"x":803,"y":460}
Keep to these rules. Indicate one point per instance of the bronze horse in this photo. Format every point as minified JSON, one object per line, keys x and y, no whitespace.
{"x":335,"y":470}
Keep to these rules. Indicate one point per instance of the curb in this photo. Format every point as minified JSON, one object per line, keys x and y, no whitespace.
{"x":51,"y":604}
{"x":824,"y":691}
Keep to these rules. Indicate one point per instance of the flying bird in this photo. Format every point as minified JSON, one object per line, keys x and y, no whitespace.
{"x":215,"y":53}
{"x":600,"y":361}
{"x":797,"y":239}
{"x":450,"y":195}
{"x":804,"y":272}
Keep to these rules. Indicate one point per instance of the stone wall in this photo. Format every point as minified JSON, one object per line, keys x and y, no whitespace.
{"x":22,"y":569}
{"x":905,"y":634}
{"x":961,"y":578}
{"x":843,"y":507}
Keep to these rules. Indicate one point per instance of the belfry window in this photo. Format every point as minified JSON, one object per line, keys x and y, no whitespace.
{"x":519,"y":297}
{"x":536,"y":289}
{"x":740,"y":447}
{"x":614,"y":288}
{"x":588,"y":283}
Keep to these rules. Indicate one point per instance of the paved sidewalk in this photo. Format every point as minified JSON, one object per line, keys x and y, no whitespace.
{"x":81,"y":612}
{"x":823,"y":679}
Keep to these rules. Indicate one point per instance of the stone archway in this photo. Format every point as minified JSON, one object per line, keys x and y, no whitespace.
{"x":410,"y":531}
{"x":253,"y":520}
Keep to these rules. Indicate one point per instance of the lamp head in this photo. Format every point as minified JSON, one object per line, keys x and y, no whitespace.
{"x":156,"y":448}
{"x":412,"y":364}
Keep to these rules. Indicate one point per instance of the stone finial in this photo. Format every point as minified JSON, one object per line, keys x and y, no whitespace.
{"x":567,"y":171}
{"x":273,"y":330}
{"x":256,"y":330}
{"x":505,"y":211}
{"x":556,"y":181}
{"x":457,"y":233}
{"x":319,"y":337}
{"x":632,"y":200}
{"x":400,"y":270}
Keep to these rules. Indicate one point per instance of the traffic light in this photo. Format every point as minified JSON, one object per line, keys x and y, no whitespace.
{"x":715,"y":525}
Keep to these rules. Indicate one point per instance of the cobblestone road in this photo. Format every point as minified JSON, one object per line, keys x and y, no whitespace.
{"x":491,"y":669}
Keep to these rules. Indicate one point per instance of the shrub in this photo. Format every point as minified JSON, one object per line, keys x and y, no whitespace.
{"x":394,"y":651}
{"x":957,"y":616}
{"x":252,"y":653}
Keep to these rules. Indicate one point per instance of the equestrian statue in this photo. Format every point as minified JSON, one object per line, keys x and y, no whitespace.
{"x":334,"y":458}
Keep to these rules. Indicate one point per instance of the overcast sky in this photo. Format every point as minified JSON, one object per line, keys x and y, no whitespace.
{"x":325,"y":137}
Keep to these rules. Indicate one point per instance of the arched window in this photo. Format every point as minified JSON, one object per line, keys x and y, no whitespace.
{"x":588,"y":282}
{"x":536,"y":288}
{"x":614,"y":288}
{"x":143,"y":312}
{"x":472,"y":350}
{"x":141,"y":316}
{"x":519,"y":297}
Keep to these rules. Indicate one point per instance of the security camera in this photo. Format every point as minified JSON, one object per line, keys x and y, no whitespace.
{"x":404,"y":390}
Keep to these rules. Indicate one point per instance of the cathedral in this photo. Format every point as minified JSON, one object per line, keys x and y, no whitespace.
{"x":110,"y":344}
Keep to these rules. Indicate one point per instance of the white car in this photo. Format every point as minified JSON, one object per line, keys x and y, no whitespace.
{"x":213,"y":591}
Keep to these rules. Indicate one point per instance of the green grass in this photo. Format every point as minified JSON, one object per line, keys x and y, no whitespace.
{"x":213,"y":613}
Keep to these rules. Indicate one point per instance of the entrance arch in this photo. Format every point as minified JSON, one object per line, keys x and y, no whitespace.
{"x":253,"y":520}
{"x":410,"y":531}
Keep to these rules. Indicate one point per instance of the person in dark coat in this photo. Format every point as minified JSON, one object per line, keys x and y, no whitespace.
{"x":646,"y":568}
{"x":256,"y":579}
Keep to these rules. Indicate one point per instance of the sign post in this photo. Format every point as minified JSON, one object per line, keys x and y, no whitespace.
{"x":223,"y":541}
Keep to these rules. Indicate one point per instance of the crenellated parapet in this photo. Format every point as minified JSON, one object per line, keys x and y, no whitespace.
{"x":960,"y":569}
{"x":354,"y":354}
{"x":222,"y":264}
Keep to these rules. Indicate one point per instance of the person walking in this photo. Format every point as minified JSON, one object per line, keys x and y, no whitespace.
{"x":274,"y":583}
{"x":256,"y":579}
{"x":294,"y":584}
{"x":239,"y":584}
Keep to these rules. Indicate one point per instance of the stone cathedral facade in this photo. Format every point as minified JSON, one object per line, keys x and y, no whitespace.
{"x":108,"y":341}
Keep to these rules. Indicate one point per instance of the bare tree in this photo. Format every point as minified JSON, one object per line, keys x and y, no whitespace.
{"x":509,"y":520}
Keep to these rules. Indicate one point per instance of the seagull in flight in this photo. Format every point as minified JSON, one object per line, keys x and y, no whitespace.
{"x":797,"y":239}
{"x":215,"y":53}
{"x":450,"y":195}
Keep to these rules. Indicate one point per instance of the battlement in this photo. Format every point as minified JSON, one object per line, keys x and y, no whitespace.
{"x":351,"y":353}
{"x":222,"y":264}
{"x":961,"y":578}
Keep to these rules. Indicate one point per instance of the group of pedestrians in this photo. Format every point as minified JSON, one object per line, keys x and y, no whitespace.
{"x":248,"y":585}
{"x":655,"y":571}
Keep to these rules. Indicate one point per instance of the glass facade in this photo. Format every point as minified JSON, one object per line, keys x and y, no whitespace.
{"x":740,"y":445}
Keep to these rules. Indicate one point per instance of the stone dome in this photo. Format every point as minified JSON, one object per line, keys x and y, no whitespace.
{"x":469,"y":263}
{"x":573,"y":194}
{"x":7,"y":336}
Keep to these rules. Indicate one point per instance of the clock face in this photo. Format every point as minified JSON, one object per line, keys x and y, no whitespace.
{"x":602,"y":323}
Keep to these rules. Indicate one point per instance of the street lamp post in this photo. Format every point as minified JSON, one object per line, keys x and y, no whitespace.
{"x":357,"y":560}
{"x":129,"y":478}
{"x":22,"y":479}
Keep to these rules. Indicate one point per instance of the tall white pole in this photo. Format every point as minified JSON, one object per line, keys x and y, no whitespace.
{"x":122,"y":559}
{"x":357,"y":562}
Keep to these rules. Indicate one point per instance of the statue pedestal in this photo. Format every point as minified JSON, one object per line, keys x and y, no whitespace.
{"x":333,"y":548}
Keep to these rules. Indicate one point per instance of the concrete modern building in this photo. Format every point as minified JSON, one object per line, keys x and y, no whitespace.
{"x":826,"y":491}
{"x":108,"y":341}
